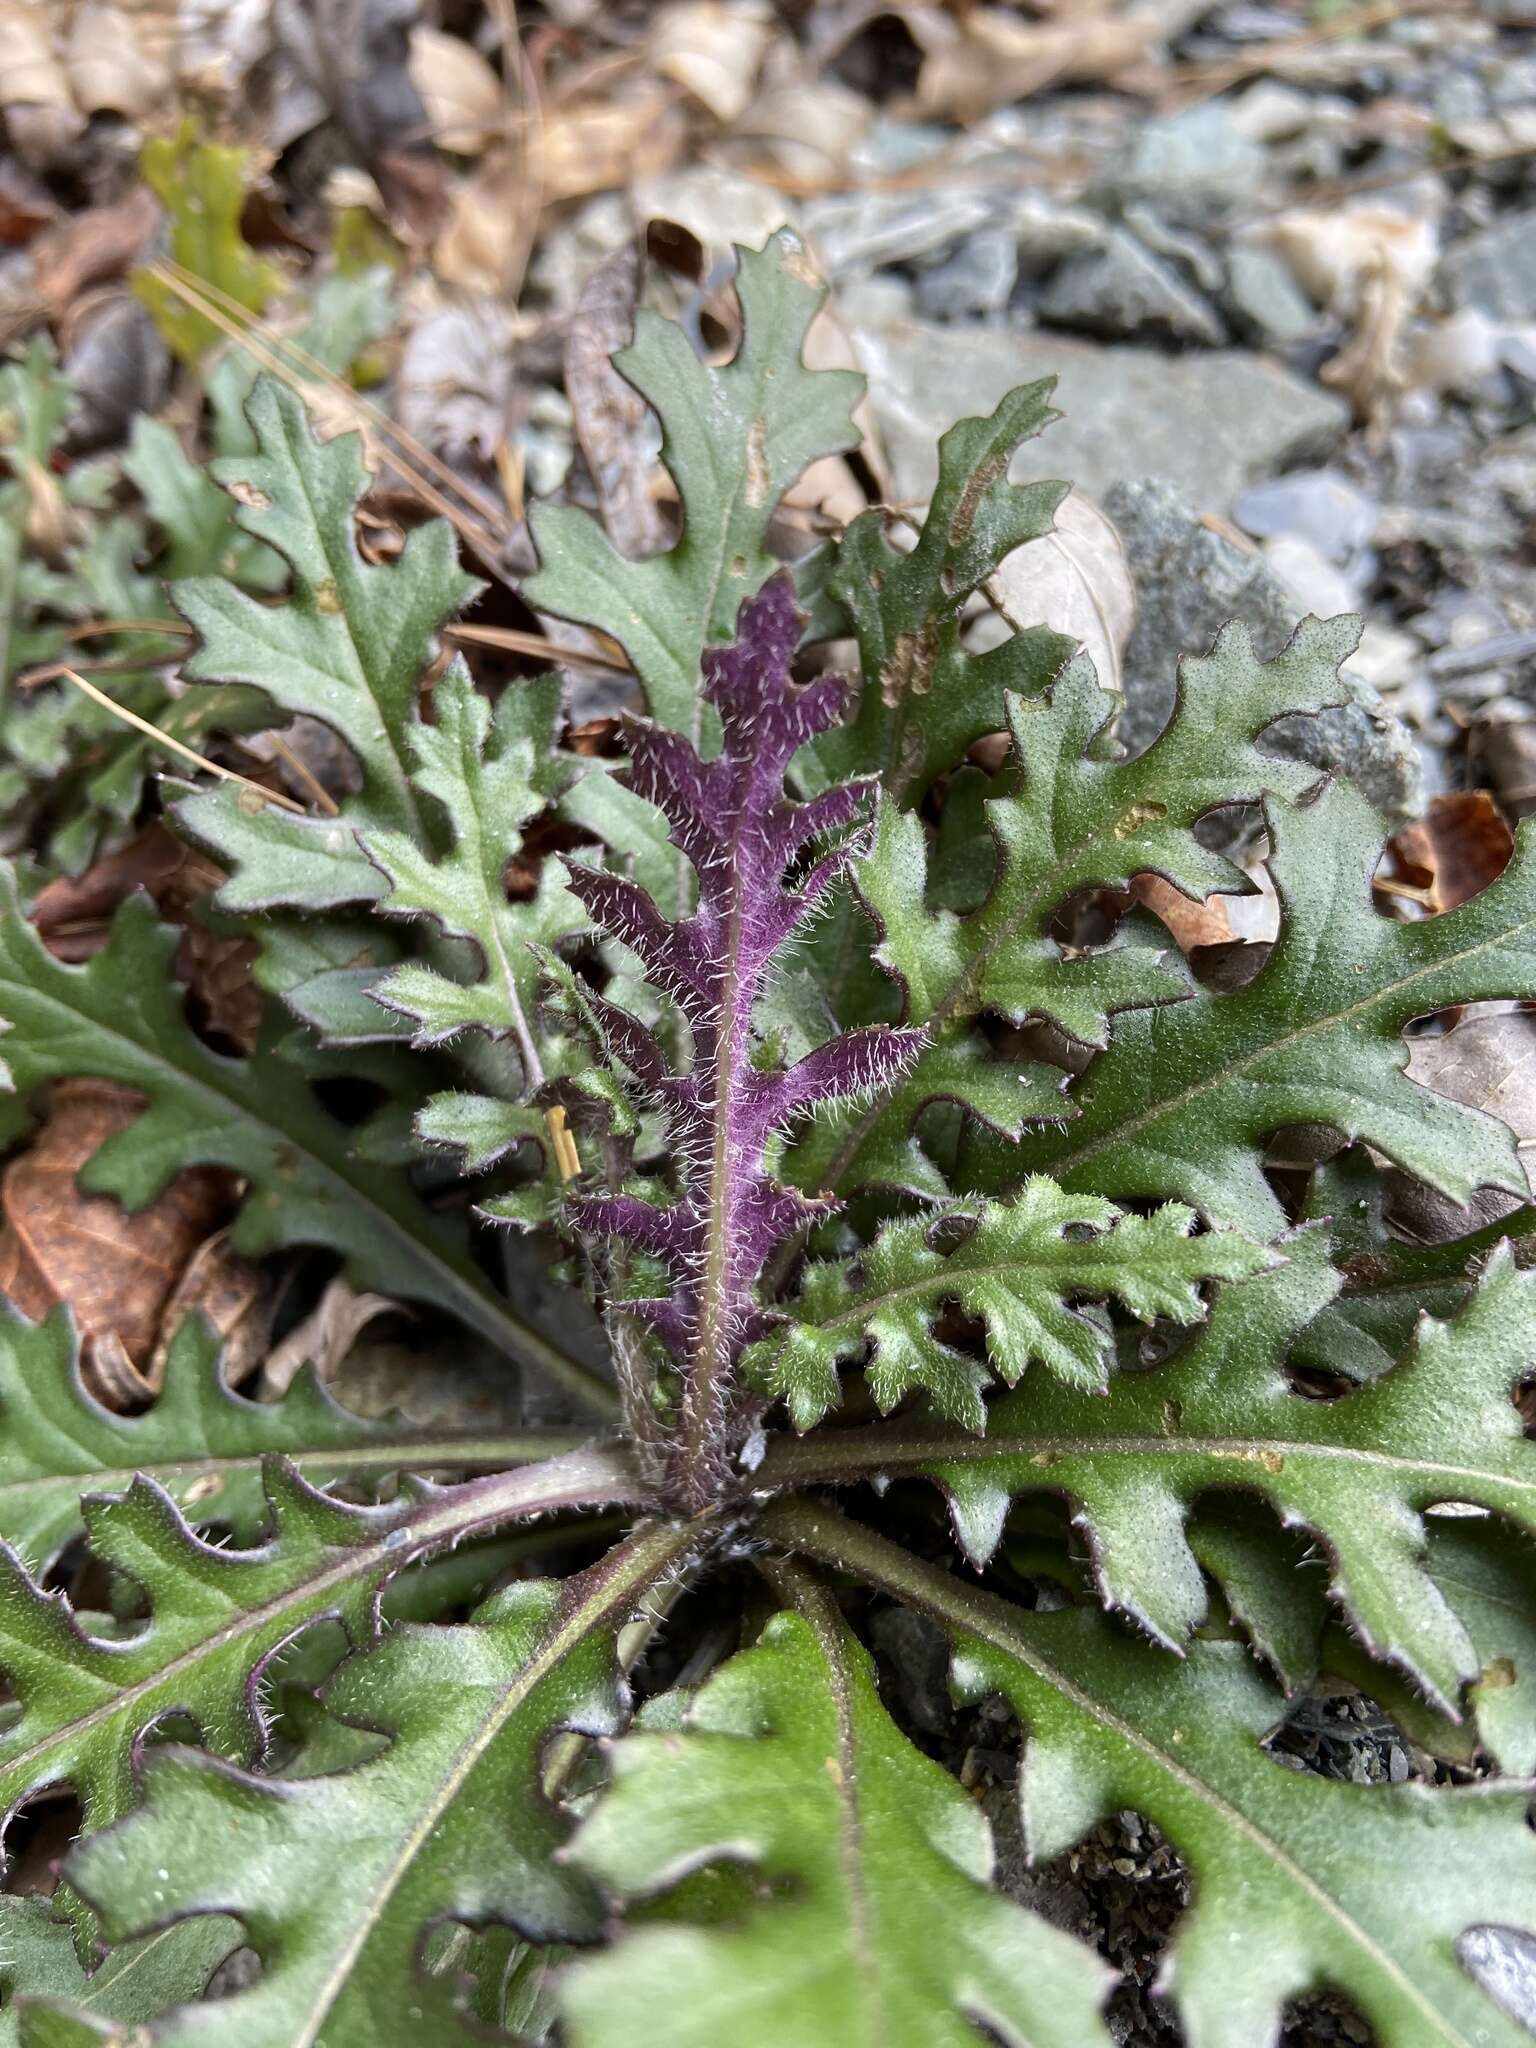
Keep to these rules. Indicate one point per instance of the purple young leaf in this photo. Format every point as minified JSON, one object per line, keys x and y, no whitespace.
{"x":732,"y":820}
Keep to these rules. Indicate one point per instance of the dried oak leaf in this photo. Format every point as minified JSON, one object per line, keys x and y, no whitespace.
{"x":117,"y":1271}
{"x":26,"y":206}
{"x":1190,"y":923}
{"x":988,"y":58}
{"x":1460,"y":845}
{"x":608,"y":412}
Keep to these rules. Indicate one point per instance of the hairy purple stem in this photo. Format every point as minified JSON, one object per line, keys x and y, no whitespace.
{"x":741,"y":834}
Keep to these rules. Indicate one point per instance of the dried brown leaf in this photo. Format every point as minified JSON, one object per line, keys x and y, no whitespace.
{"x":461,"y":92}
{"x":712,"y":49}
{"x":50,"y":524}
{"x":1191,"y":924}
{"x":117,"y":62}
{"x":73,"y":915}
{"x":93,"y":248}
{"x":116,"y":1271}
{"x":1488,"y":1062}
{"x":989,"y":57}
{"x":1460,"y":845}
{"x":806,"y":129}
{"x":26,"y":206}
{"x":608,"y":413}
{"x":603,"y":145}
{"x":1368,"y":264}
{"x":228,"y":1292}
{"x":31,"y":71}
{"x":485,"y":226}
{"x":325,"y":1336}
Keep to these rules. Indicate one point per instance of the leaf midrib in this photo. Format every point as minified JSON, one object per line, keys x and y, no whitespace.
{"x":1124,"y":1131}
{"x":880,"y":1454}
{"x":342,"y":576}
{"x":649,"y":1553}
{"x":971,"y":1613}
{"x":461,"y":1512}
{"x":1258,"y":1838}
{"x":481,"y":1311}
{"x":1079,"y":1278}
{"x":963,"y":1002}
{"x":403,"y":1450}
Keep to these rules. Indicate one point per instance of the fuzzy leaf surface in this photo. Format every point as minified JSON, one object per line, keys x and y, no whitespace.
{"x":217,"y":1616}
{"x":120,"y":1017}
{"x":1077,"y":821}
{"x":1358,"y":1471}
{"x":1186,"y":1097}
{"x":873,"y":1922}
{"x":734,"y":440}
{"x":195,"y":516}
{"x":348,"y":647}
{"x":1021,"y":1269}
{"x":1481,"y":1569}
{"x":1388,"y":1283}
{"x":133,"y":1983}
{"x":203,"y":1444}
{"x":448,"y":1823}
{"x":489,"y":772}
{"x":925,"y":697}
{"x":1299,"y":1876}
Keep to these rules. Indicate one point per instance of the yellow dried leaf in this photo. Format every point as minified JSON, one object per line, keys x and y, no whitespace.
{"x":117,"y":62}
{"x":461,"y":92}
{"x":31,"y":74}
{"x":713,"y":51}
{"x":991,"y":57}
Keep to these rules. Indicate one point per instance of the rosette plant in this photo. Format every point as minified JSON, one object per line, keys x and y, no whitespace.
{"x":933,"y":1255}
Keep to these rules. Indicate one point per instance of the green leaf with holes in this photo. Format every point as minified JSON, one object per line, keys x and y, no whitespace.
{"x":446,"y":1822}
{"x":871,"y":1921}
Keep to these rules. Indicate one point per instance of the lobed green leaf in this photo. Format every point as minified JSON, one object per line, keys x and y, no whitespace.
{"x":734,"y":439}
{"x":871,"y":1919}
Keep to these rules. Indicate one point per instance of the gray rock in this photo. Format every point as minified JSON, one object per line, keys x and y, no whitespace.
{"x":1503,"y":1961}
{"x":1123,"y":291}
{"x":1190,"y":165}
{"x":117,"y":366}
{"x":1190,"y":254}
{"x":1206,"y":423}
{"x":897,"y":146}
{"x":1496,"y":270}
{"x":1458,"y":97}
{"x":1189,"y":583}
{"x":918,"y":1654}
{"x":1512,"y":83}
{"x":1316,"y":583}
{"x":869,"y":229}
{"x":883,"y":300}
{"x":1322,"y":506}
{"x":1264,"y":299}
{"x":977,"y":279}
{"x":1045,"y":231}
{"x":1366,"y":745}
{"x":1270,"y":112}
